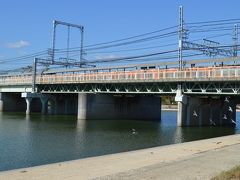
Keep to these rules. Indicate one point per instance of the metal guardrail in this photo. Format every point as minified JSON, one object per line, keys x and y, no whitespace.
{"x":153,"y":75}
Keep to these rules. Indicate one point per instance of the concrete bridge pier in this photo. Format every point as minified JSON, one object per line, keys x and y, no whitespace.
{"x":28,"y":105}
{"x":118,"y":107}
{"x":82,"y":106}
{"x":63,"y":104}
{"x":44,"y":102}
{"x":52,"y":107}
{"x":11,"y":102}
{"x":1,"y":103}
{"x":207,"y":111}
{"x":36,"y":102}
{"x":181,"y":99}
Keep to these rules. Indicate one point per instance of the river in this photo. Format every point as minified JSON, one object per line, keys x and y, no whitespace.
{"x":27,"y":141}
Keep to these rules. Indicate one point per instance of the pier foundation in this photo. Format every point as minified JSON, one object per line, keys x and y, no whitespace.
{"x":28,"y":105}
{"x":82,"y":106}
{"x":44,"y":102}
{"x":1,"y":103}
{"x":122,"y":107}
{"x":35,"y":102}
{"x":207,"y":111}
{"x":11,"y":102}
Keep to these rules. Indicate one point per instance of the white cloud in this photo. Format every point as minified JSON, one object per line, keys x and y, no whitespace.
{"x":18,"y":44}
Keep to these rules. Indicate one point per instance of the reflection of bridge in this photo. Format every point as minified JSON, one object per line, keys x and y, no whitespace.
{"x":204,"y":94}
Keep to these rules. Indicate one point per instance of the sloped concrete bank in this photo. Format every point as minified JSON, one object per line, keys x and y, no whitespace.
{"x":201,"y":159}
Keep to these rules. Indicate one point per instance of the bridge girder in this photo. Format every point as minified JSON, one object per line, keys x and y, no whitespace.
{"x":160,"y":88}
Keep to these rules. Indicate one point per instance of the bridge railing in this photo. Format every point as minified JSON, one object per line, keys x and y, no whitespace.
{"x":15,"y":80}
{"x":212,"y":73}
{"x":190,"y":74}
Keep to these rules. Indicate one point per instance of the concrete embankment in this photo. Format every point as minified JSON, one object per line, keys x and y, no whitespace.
{"x":192,"y":160}
{"x":169,"y":107}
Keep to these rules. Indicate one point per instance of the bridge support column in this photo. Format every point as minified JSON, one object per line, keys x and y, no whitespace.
{"x":28,"y":103}
{"x":52,"y":108}
{"x":44,"y":102}
{"x":36,"y":99}
{"x":118,"y":107}
{"x":82,"y":106}
{"x":181,"y":99}
{"x":1,"y":103}
{"x":207,"y":111}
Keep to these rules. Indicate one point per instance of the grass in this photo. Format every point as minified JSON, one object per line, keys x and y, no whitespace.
{"x":232,"y":174}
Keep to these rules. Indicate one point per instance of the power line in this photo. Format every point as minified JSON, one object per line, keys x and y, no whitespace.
{"x":40,"y":53}
{"x":131,"y":57}
{"x":164,"y":58}
{"x":214,"y":21}
{"x":212,"y":29}
{"x":151,"y":47}
{"x":126,"y":50}
{"x":132,"y":37}
{"x":120,"y":44}
{"x":195,"y":27}
{"x":124,"y":43}
{"x":209,"y":25}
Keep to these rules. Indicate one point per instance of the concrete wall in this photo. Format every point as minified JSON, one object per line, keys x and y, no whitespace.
{"x":1,"y":103}
{"x":12,"y":102}
{"x":205,"y":111}
{"x":107,"y":106}
{"x":36,"y":105}
{"x":192,"y":110}
{"x":63,"y":104}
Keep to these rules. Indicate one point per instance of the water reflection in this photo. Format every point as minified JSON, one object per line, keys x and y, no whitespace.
{"x":35,"y":139}
{"x":178,"y":135}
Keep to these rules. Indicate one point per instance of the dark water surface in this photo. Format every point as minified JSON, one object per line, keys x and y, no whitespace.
{"x":34,"y":140}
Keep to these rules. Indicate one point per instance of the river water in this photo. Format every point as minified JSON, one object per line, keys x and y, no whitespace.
{"x":35,"y":140}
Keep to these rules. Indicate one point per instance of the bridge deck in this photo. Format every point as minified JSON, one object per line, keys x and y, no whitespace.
{"x":201,"y":80}
{"x":227,"y":73}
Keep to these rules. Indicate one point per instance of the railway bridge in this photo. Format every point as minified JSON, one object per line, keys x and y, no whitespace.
{"x":206,"y":94}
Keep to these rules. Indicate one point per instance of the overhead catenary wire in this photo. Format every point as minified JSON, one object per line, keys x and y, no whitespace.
{"x":194,"y":27}
{"x":128,"y":38}
{"x":19,"y":58}
{"x":123,"y":43}
{"x":213,"y":21}
{"x":173,"y":58}
{"x":131,"y":57}
{"x":151,"y":47}
{"x":128,"y":50}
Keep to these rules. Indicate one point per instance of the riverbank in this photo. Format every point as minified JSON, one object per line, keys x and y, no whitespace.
{"x":192,"y":160}
{"x":165,"y":107}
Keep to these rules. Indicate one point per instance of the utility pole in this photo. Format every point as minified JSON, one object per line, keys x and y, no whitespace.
{"x":68,"y":41}
{"x":180,"y":39}
{"x":235,"y":40}
{"x":81,"y":47}
{"x":53,"y":41}
{"x":34,"y":74}
{"x":69,"y":25}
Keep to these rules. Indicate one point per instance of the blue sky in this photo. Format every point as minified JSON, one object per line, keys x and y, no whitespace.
{"x":26,"y":25}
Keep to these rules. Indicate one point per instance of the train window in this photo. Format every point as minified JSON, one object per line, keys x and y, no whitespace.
{"x":143,"y":68}
{"x":151,"y":67}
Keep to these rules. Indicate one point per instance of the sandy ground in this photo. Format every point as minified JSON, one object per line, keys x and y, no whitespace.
{"x":193,"y":160}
